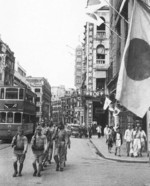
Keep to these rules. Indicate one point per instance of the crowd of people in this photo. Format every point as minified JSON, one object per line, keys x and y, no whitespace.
{"x":134,"y":137}
{"x":47,"y":141}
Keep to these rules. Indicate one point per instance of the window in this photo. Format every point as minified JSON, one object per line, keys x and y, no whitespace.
{"x":21,"y":93}
{"x":2,"y":93}
{"x":2,"y":117}
{"x":25,"y":118}
{"x":100,"y":52}
{"x":11,"y":93}
{"x":100,"y":83}
{"x":0,"y":76}
{"x":37,"y":90}
{"x":17,"y":118}
{"x":29,"y":98}
{"x":38,"y":99}
{"x":102,"y":26}
{"x":10,"y":117}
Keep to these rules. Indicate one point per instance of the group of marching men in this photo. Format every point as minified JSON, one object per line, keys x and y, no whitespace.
{"x":47,"y":140}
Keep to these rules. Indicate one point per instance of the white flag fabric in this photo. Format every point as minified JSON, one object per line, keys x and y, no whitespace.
{"x":107,"y":103}
{"x":94,"y":5}
{"x":111,"y":108}
{"x":133,"y":86}
{"x":94,"y":18}
{"x":116,"y":111}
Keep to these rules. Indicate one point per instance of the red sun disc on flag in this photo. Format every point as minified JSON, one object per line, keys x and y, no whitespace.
{"x":137,"y":60}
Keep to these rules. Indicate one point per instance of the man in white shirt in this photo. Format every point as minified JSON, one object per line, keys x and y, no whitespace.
{"x":129,"y":138}
{"x":106,"y":131}
{"x":99,"y":130}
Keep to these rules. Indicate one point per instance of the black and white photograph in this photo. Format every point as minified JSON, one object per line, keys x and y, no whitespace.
{"x":75,"y":92}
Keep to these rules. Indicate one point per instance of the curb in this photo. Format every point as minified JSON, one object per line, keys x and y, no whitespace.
{"x":112,"y":159}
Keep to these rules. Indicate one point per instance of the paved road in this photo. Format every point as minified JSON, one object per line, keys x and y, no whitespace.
{"x":84,"y":168}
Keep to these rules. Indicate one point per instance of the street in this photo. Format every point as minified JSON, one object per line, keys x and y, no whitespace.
{"x":84,"y":168}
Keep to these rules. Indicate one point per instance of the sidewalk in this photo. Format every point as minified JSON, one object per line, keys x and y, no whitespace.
{"x":102,"y":150}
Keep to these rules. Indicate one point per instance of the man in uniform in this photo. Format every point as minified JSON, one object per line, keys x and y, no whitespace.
{"x":68,"y":145}
{"x":20,"y":146}
{"x":39,"y":147}
{"x":61,"y":140}
{"x":49,"y":134}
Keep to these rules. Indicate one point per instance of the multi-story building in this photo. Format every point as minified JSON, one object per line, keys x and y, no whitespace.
{"x":96,"y":53}
{"x":7,"y":64}
{"x":78,"y":66}
{"x":63,"y":105}
{"x":57,"y":93}
{"x":120,"y":25}
{"x":69,"y":105}
{"x":20,"y":76}
{"x":42,"y":88}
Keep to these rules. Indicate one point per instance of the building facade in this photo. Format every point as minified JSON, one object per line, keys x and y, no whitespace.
{"x":78,"y":66}
{"x":7,"y":64}
{"x":96,"y":63}
{"x":120,"y":24}
{"x":42,"y":88}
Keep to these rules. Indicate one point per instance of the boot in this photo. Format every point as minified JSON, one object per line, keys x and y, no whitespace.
{"x":15,"y":169}
{"x":35,"y":169}
{"x":20,"y":169}
{"x":57,"y":162}
{"x":39,"y":170}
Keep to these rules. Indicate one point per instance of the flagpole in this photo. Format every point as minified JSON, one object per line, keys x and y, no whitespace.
{"x":117,"y":11}
{"x":114,"y":31}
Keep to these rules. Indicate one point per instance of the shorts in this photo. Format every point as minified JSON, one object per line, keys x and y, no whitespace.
{"x":39,"y":158}
{"x":19,"y":157}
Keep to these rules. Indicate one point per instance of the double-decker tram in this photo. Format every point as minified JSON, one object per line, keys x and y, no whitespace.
{"x":17,"y":108}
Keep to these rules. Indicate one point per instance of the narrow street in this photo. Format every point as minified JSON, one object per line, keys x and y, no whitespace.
{"x":84,"y":168}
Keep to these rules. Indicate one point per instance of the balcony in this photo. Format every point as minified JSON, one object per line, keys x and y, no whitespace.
{"x":100,"y":64}
{"x":100,"y":35}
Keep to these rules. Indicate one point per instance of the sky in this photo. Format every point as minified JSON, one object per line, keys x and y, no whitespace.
{"x":43,"y":35}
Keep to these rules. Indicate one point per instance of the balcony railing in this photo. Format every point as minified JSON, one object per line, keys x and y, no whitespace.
{"x":100,"y":35}
{"x":100,"y":64}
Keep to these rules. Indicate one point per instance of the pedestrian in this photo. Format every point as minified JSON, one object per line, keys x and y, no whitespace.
{"x":39,"y":147}
{"x":106,"y":131}
{"x":90,"y":131}
{"x":46,"y":131}
{"x":143,"y":140}
{"x":99,"y":130}
{"x":61,"y":140}
{"x":50,"y":142}
{"x":129,"y":139}
{"x":68,"y":145}
{"x":136,"y":142}
{"x":118,"y":142}
{"x":110,"y":140}
{"x":20,"y":146}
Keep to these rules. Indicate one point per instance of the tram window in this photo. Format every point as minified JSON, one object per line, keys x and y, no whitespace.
{"x":10,"y":117}
{"x":21,"y":93}
{"x":2,"y":93}
{"x":11,"y":93}
{"x":26,"y":118}
{"x":2,"y":117}
{"x":29,"y":98}
{"x":17,"y":118}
